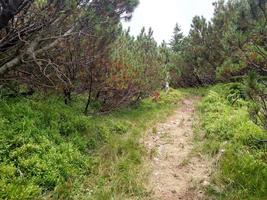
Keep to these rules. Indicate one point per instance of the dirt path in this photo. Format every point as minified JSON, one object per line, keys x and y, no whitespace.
{"x":177,"y":171}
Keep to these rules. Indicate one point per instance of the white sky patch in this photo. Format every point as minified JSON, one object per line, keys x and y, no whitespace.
{"x":162,"y":15}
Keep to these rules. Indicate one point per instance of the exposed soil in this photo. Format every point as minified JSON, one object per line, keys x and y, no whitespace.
{"x":177,"y":170}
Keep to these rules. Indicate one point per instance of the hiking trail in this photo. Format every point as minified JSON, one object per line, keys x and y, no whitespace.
{"x":176,"y":170}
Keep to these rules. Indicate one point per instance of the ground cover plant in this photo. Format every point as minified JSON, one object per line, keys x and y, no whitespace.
{"x":53,"y":151}
{"x":230,"y":133}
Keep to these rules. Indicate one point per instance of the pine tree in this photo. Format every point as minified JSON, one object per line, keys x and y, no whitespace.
{"x":177,"y":40}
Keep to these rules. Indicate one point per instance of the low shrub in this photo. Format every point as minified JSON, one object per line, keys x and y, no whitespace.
{"x":49,"y":150}
{"x":242,"y":170}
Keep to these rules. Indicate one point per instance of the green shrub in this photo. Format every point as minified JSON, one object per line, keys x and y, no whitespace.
{"x":36,"y":151}
{"x":242,"y":171}
{"x":52,"y":151}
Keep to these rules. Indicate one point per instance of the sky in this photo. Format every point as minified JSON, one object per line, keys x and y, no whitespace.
{"x":162,"y":15}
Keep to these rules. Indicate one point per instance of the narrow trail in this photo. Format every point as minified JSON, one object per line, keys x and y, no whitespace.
{"x":177,"y":171}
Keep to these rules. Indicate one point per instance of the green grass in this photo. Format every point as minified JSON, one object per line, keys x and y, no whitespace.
{"x":242,"y":169}
{"x":52,"y":151}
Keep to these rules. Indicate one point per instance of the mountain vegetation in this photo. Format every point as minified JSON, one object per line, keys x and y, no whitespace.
{"x":231,"y":47}
{"x":77,"y":92}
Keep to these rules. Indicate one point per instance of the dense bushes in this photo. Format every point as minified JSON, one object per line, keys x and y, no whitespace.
{"x":83,"y":50}
{"x":229,"y":132}
{"x":229,"y":46}
{"x":123,"y":69}
{"x":132,"y":70}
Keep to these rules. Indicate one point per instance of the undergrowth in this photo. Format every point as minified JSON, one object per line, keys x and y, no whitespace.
{"x":52,"y":151}
{"x":230,"y":134}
